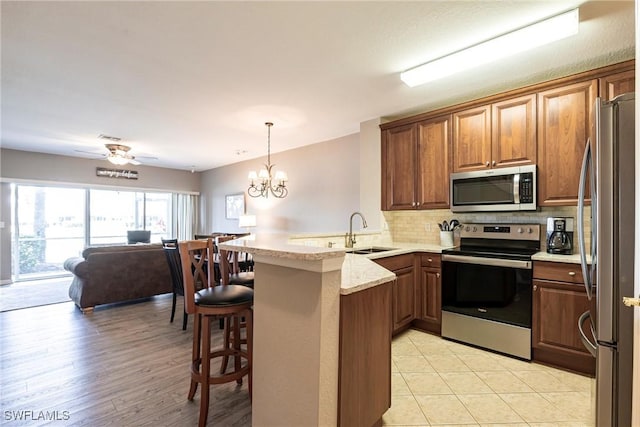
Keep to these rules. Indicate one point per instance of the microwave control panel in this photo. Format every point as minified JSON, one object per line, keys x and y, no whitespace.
{"x":526,"y":187}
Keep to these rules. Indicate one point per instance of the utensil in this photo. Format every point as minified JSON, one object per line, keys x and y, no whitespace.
{"x":440,"y":226}
{"x":445,"y":225}
{"x":453,"y":224}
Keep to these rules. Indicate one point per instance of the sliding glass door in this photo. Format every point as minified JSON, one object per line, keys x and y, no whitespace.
{"x":49,"y":227}
{"x":51,"y":224}
{"x":115,"y":212}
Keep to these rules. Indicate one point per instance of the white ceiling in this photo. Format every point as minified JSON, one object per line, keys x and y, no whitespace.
{"x":191,"y":83}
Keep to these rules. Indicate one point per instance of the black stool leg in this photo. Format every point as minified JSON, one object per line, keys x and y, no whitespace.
{"x":173,"y":307}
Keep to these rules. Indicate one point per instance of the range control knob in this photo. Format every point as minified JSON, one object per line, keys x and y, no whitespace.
{"x":520,"y":230}
{"x":475,"y":228}
{"x":467,"y":228}
{"x":529,"y":230}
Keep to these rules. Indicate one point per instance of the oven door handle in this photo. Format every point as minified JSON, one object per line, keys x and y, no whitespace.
{"x":494,"y":262}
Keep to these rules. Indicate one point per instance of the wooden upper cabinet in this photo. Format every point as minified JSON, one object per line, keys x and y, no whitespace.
{"x":617,"y":84}
{"x":564,"y":125}
{"x":472,"y":139}
{"x":502,"y":134}
{"x":513,"y":132}
{"x":415,"y":159}
{"x":398,"y":167}
{"x":432,"y":180}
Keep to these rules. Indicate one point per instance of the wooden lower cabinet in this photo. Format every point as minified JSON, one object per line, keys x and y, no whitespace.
{"x":364,"y":390}
{"x":559,"y":298}
{"x":404,"y":289}
{"x":428,"y":316}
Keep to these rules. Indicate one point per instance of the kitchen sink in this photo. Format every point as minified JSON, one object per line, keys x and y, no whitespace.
{"x":369,"y":250}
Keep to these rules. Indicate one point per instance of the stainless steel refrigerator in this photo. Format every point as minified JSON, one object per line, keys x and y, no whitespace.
{"x":608,"y":171}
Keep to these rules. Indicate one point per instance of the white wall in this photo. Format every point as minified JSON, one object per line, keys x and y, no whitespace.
{"x":23,"y":165}
{"x":323,"y":188}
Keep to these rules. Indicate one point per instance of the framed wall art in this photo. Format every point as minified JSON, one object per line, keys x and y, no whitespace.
{"x":234,"y":206}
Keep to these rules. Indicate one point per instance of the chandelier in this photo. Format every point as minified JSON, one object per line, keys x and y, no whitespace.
{"x":265,"y":182}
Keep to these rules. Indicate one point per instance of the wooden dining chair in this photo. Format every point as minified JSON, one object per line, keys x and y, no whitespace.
{"x":222,"y":301}
{"x":170,"y":247}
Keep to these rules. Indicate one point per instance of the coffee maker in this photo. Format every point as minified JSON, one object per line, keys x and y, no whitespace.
{"x":560,"y":236}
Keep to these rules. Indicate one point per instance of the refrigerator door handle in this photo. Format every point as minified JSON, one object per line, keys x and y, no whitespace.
{"x":586,"y":160}
{"x":585,"y":340}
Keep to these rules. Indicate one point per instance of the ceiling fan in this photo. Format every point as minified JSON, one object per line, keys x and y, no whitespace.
{"x":119,"y":155}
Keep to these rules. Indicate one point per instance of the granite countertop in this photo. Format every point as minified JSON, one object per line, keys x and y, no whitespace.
{"x":401,"y":248}
{"x":358,"y":272}
{"x":570,"y":259}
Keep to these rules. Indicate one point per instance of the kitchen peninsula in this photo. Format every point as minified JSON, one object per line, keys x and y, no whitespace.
{"x":314,"y":309}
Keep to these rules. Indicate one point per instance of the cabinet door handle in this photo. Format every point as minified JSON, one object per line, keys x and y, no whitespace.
{"x":535,"y":288}
{"x":493,"y":163}
{"x":438,"y":275}
{"x":572,"y":273}
{"x":418,"y":204}
{"x":487,"y":164}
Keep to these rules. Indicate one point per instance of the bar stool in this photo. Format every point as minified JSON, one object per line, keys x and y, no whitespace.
{"x":230,"y":265}
{"x":214,"y":302}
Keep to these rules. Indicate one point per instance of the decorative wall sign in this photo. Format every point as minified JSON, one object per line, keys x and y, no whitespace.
{"x":234,"y":204}
{"x":116,"y":173}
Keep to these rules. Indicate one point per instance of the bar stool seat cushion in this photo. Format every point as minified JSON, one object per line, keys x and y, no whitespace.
{"x":224,"y":296}
{"x":244,"y":278}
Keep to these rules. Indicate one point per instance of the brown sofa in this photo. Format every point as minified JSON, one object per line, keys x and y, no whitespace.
{"x":110,"y":274}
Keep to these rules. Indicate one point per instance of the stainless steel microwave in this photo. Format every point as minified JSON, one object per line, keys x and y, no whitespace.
{"x":501,"y":189}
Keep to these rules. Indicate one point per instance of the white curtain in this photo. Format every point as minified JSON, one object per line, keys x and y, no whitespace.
{"x":185,"y":214}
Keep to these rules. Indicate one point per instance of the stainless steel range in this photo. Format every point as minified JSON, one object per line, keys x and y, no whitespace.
{"x":487,"y":287}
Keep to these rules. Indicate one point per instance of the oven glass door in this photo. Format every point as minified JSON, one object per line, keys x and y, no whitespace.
{"x":501,"y":294}
{"x":489,"y":190}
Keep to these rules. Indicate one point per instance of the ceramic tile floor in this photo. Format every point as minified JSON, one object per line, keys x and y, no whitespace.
{"x":436,"y":382}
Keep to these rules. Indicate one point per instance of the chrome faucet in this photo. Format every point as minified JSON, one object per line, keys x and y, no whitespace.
{"x":350,"y":238}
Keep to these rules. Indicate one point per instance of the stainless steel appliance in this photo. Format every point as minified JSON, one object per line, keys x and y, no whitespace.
{"x":560,"y":236}
{"x":609,"y":276}
{"x":501,"y":189}
{"x":487,"y":287}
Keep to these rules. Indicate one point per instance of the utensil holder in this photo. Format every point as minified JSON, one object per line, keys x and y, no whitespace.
{"x":446,"y":238}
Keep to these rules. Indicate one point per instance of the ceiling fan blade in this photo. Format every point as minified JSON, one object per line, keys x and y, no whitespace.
{"x":95,"y":153}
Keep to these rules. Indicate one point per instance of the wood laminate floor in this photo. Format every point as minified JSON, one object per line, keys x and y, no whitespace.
{"x":19,"y":295}
{"x":127,"y":365}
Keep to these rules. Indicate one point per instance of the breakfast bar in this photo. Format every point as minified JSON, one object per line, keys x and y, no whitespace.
{"x":297,"y":330}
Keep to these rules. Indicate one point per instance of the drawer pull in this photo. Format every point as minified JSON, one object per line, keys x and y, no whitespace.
{"x":572,"y":273}
{"x":430,"y":259}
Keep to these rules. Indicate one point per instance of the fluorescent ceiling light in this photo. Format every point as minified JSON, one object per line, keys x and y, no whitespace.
{"x":538,"y":34}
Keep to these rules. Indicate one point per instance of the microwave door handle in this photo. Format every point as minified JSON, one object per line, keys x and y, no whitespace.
{"x":581,"y":241}
{"x":516,"y":188}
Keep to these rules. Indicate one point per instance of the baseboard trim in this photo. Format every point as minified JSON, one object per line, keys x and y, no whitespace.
{"x":5,"y":282}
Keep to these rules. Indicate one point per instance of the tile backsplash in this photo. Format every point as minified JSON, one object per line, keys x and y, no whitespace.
{"x":422,"y":226}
